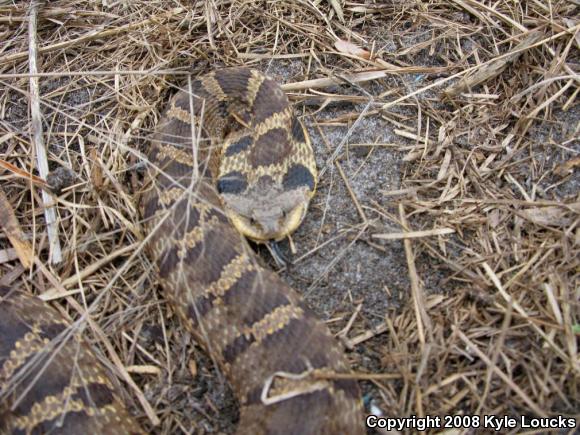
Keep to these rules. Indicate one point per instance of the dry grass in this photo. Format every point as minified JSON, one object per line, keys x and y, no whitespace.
{"x":480,"y":97}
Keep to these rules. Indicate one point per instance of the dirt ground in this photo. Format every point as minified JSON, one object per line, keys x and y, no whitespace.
{"x":442,"y":246}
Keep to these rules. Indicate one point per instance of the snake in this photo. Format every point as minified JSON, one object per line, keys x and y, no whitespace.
{"x":51,"y":381}
{"x":230,"y":162}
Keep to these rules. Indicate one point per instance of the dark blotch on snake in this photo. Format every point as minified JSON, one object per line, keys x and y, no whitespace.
{"x":238,"y":146}
{"x":298,"y":175}
{"x":233,"y":182}
{"x":298,"y":131}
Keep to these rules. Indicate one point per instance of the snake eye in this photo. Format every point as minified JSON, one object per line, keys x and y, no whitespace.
{"x":253,"y":221}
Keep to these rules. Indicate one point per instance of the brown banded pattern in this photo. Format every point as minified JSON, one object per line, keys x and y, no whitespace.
{"x":51,"y":382}
{"x":279,"y":358}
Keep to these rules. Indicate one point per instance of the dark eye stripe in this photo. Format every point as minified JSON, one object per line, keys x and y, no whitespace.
{"x":232,"y":182}
{"x":298,"y":175}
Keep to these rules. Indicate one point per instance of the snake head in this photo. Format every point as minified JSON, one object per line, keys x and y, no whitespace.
{"x":267,"y":210}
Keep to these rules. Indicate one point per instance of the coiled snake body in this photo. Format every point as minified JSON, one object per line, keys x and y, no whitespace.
{"x":282,"y":362}
{"x":50,"y":381}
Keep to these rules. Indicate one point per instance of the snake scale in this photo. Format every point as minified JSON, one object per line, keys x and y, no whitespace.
{"x":229,"y":159}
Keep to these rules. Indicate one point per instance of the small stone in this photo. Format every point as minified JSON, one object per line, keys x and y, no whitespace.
{"x":60,"y":179}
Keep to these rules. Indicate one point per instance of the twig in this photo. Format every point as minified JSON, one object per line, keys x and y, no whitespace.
{"x":497,"y":371}
{"x":368,"y":334}
{"x":414,"y":234}
{"x":11,"y":227}
{"x":95,"y":34}
{"x":423,"y":320}
{"x":56,"y":292}
{"x":55,"y":253}
{"x":510,"y":300}
{"x":24,"y":174}
{"x":492,"y":69}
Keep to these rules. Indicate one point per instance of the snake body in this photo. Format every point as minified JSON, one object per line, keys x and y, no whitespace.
{"x":279,"y":358}
{"x":253,"y":177}
{"x":51,"y":381}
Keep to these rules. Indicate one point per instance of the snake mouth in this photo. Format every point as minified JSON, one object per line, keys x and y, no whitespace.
{"x":268,"y":227}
